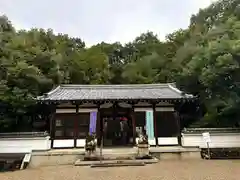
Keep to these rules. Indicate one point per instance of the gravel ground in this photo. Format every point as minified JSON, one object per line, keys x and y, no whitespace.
{"x":164,"y":170}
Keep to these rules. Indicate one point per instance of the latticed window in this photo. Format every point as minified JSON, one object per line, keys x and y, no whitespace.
{"x":166,"y":124}
{"x":67,"y":124}
{"x":64,"y":125}
{"x":83,"y":121}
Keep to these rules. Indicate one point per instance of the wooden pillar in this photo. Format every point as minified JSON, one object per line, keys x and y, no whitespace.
{"x":98,"y":126}
{"x":155,"y":123}
{"x":52,"y":125}
{"x":76,"y":127}
{"x":133,"y":124}
{"x":177,"y":117}
{"x":114,"y":110}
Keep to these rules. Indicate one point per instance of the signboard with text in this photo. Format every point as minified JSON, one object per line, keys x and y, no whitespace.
{"x":206,"y":137}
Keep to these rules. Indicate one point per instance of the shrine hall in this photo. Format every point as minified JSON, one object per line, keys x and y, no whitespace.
{"x":117,"y":114}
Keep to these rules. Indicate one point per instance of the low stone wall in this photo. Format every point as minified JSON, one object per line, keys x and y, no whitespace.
{"x":40,"y":159}
{"x":23,"y":143}
{"x":220,"y":138}
{"x":176,"y":153}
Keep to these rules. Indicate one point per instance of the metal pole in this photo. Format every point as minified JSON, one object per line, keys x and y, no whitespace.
{"x":208,"y":150}
{"x":101,"y":147}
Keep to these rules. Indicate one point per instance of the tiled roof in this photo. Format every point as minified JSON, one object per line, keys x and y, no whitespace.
{"x":115,"y":92}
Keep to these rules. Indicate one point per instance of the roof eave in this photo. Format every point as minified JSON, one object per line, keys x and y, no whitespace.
{"x":100,"y":100}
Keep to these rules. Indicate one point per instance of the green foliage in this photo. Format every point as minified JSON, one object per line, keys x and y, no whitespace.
{"x":202,"y":59}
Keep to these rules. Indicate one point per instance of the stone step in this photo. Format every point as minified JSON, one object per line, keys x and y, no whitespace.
{"x":104,"y":164}
{"x":126,"y":161}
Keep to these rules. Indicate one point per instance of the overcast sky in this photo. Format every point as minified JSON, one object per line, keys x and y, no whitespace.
{"x":102,"y":20}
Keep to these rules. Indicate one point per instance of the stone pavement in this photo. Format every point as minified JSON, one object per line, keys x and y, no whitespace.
{"x":164,"y":170}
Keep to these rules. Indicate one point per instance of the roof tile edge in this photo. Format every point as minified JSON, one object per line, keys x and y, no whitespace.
{"x":54,"y":90}
{"x":45,"y":95}
{"x":174,"y":88}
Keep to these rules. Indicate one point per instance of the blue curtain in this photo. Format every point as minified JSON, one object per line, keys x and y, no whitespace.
{"x":150,"y":124}
{"x":93,"y":122}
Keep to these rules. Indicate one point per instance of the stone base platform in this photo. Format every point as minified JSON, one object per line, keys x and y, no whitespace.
{"x":175,"y":152}
{"x":70,"y":156}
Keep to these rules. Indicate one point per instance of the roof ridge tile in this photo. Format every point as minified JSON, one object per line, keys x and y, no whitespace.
{"x":116,"y":86}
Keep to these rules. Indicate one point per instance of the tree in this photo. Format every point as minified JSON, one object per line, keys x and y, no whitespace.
{"x":202,"y":59}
